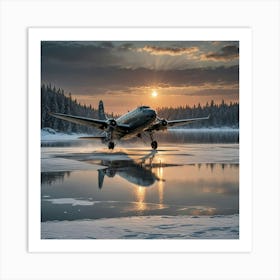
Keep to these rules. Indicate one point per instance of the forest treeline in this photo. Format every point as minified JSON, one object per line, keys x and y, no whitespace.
{"x":55,"y":100}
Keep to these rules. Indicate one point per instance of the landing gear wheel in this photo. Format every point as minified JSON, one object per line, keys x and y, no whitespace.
{"x":111,"y":145}
{"x":154,"y":145}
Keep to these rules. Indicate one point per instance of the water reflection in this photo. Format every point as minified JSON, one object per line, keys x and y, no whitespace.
{"x":138,"y":173}
{"x":186,"y":190}
{"x":140,"y":200}
{"x":88,"y":182}
{"x":179,"y":180}
{"x":50,"y":177}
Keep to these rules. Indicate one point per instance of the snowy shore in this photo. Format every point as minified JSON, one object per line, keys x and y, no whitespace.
{"x":145,"y":227}
{"x":48,"y":134}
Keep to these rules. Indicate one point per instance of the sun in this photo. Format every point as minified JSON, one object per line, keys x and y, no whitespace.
{"x":154,"y":93}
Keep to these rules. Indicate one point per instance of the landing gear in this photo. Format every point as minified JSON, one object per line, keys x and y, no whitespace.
{"x":154,"y":145}
{"x":111,"y":145}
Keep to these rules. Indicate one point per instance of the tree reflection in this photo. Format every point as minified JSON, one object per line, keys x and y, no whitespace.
{"x":50,"y":178}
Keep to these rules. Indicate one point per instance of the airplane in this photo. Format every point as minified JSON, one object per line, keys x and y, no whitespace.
{"x":141,"y":120}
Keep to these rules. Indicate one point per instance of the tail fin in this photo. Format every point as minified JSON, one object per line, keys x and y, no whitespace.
{"x":100,"y":178}
{"x":101,"y":113}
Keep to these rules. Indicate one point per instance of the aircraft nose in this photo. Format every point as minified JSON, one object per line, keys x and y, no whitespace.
{"x":151,"y":113}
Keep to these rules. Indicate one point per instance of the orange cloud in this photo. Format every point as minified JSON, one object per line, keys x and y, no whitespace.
{"x":173,"y":51}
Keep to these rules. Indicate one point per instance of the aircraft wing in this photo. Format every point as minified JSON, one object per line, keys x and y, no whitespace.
{"x":164,"y":124}
{"x":100,"y":124}
{"x":184,"y":121}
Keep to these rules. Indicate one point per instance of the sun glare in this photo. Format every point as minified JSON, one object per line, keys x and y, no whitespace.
{"x":154,"y":94}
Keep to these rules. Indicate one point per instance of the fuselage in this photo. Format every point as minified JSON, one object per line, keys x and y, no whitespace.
{"x":138,"y":120}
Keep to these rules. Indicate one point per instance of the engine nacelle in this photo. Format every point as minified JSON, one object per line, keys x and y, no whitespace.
{"x":164,"y":122}
{"x":112,"y":122}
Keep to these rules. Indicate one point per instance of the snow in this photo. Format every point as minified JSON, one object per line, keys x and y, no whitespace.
{"x":145,"y":227}
{"x":72,"y":201}
{"x":49,"y":134}
{"x":205,"y":130}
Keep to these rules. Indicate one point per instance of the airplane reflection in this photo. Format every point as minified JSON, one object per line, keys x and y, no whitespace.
{"x":137,"y":172}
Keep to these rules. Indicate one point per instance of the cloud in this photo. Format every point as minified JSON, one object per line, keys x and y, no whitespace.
{"x":172,"y":51}
{"x":126,"y":47}
{"x":94,"y":68}
{"x":106,"y":79}
{"x":108,"y":45}
{"x":216,"y":91}
{"x":152,"y":55}
{"x":216,"y":43}
{"x":82,"y":53}
{"x":226,"y":53}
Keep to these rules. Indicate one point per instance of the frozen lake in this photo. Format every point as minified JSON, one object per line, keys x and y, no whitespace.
{"x":181,"y":191}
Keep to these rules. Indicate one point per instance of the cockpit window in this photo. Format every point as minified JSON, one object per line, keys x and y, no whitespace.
{"x":144,"y":107}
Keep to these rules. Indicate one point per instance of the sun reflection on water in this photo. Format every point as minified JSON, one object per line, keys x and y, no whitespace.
{"x":141,"y":193}
{"x":160,"y":194}
{"x":140,"y":199}
{"x":160,"y":186}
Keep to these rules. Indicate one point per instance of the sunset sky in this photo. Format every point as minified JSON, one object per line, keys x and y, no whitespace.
{"x":128,"y":74}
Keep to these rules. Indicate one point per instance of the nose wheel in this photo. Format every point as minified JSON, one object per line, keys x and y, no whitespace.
{"x":154,"y":145}
{"x":111,"y":145}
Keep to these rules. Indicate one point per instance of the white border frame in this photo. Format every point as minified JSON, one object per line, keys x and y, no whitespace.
{"x":243,"y":35}
{"x":262,"y":16}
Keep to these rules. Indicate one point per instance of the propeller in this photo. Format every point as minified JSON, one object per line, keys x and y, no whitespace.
{"x":163,"y":122}
{"x":112,"y":122}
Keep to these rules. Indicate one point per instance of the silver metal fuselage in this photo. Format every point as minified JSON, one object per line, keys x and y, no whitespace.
{"x":138,"y":120}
